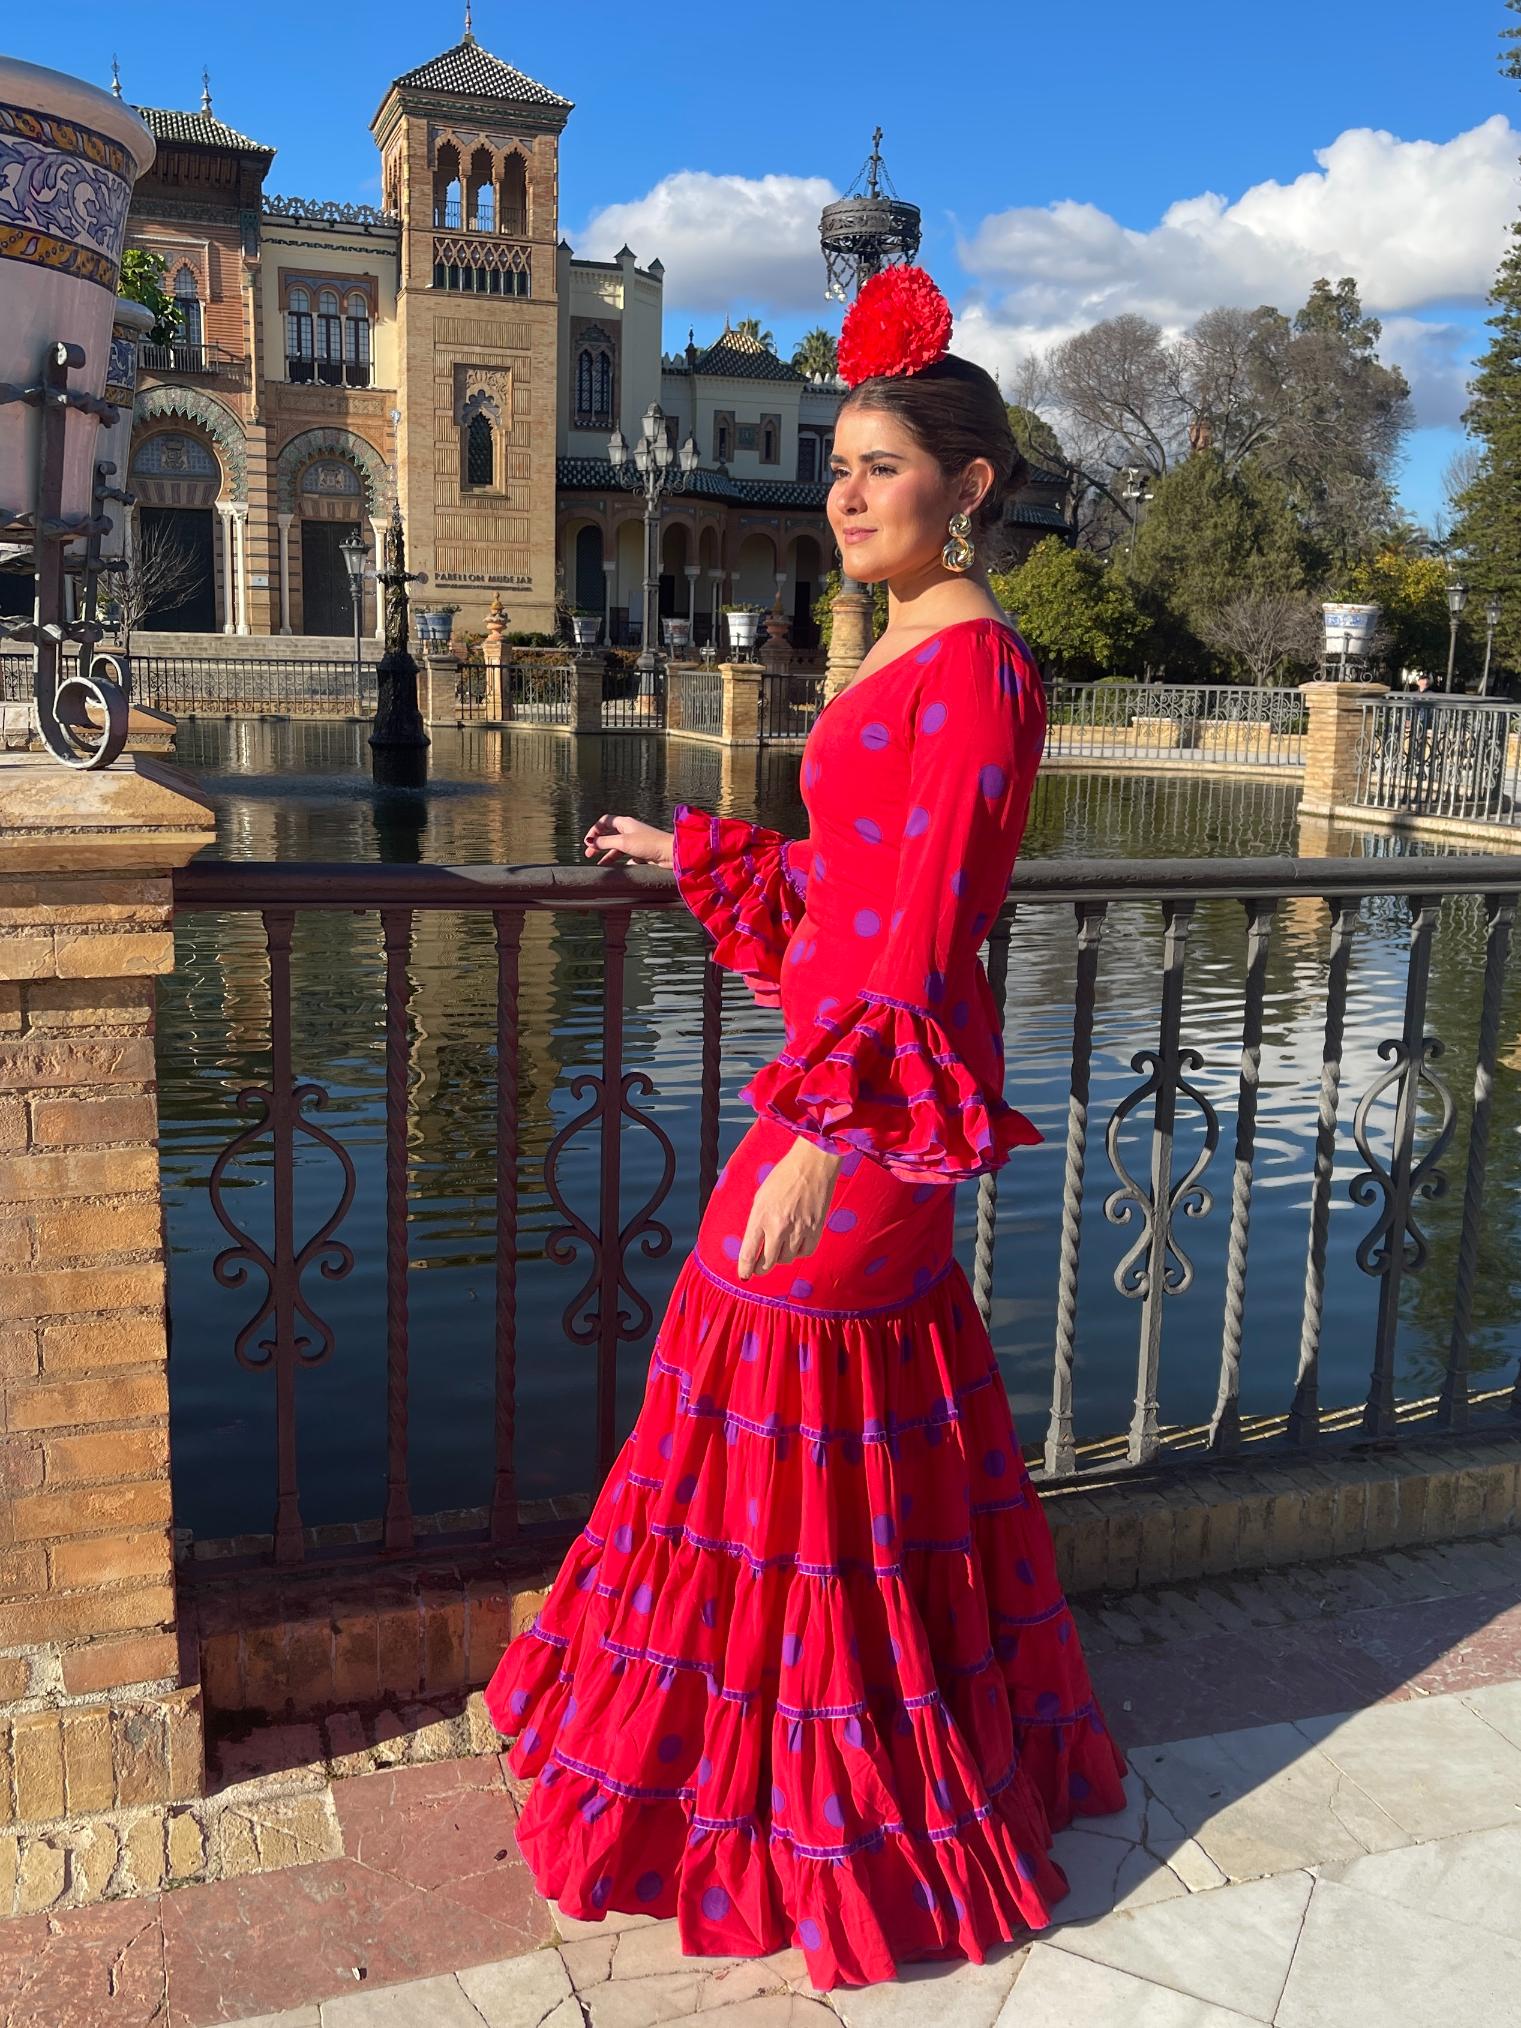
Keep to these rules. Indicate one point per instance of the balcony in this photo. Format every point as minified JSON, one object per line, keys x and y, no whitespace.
{"x":452,"y":218}
{"x":200,"y":362}
{"x":327,"y":372}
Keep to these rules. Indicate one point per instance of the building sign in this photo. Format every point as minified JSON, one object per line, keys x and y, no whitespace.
{"x":483,"y":579}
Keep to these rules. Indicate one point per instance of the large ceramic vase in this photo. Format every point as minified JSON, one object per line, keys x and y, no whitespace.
{"x":69,"y":156}
{"x":1349,"y":629}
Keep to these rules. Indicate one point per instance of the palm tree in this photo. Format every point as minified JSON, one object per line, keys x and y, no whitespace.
{"x":817,"y":354}
{"x":750,"y":327}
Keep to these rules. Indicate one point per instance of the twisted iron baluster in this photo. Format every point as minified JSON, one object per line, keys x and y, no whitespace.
{"x":1225,"y":1425}
{"x":504,"y":1499}
{"x":1061,"y":1440}
{"x":987,"y":1184}
{"x":1452,"y":1411}
{"x":1304,"y":1415}
{"x":1396,"y":1242}
{"x":712,"y":1051}
{"x":396,"y":928}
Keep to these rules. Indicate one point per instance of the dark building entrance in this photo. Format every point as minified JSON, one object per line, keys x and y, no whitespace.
{"x":176,"y":547}
{"x":326,"y":605}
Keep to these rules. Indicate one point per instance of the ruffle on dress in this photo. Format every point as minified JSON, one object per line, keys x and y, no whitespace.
{"x":808,"y":1676}
{"x":746,"y":885}
{"x":886,"y":1078}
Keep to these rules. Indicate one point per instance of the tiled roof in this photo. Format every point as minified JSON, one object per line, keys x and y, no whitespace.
{"x":469,"y":69}
{"x":1028,"y":515}
{"x":596,"y":474}
{"x":741,"y":357}
{"x":198,"y":127}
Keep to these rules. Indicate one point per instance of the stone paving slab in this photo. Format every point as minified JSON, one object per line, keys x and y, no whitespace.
{"x":1240,"y":1781}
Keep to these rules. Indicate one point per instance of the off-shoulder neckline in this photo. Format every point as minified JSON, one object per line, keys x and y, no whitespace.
{"x":951,"y":627}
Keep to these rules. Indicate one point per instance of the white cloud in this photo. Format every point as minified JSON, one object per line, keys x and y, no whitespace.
{"x":749,"y":244}
{"x":1436,"y":359}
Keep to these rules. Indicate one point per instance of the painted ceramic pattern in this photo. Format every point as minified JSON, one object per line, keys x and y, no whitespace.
{"x":64,"y":193}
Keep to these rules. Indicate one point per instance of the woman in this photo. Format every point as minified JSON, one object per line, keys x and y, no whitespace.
{"x":808,"y":1675}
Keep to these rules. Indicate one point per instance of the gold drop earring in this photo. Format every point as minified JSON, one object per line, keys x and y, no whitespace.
{"x":958,"y":554}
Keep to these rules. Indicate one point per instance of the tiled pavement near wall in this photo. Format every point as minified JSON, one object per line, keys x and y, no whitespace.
{"x":1325,"y":1827}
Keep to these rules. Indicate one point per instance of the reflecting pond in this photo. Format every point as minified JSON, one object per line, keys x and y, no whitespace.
{"x":293,"y":791}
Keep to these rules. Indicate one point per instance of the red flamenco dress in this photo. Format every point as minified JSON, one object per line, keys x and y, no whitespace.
{"x":808,"y":1675}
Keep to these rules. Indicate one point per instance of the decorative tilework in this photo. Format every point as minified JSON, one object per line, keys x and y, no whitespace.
{"x":64,"y":192}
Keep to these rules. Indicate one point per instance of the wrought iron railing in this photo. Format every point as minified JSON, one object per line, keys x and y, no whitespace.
{"x":789,"y":705}
{"x":1441,"y":757}
{"x":634,"y":700}
{"x":1162,"y":1142}
{"x":213,"y":362}
{"x":702,"y":698}
{"x":541,"y":693}
{"x":211,"y":686}
{"x":1168,"y":724}
{"x":302,"y":368}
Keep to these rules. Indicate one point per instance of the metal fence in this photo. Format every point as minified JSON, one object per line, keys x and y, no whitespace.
{"x":1441,"y":757}
{"x":213,"y":686}
{"x":789,"y":705}
{"x":702,"y":699}
{"x":632,"y":702}
{"x":1166,"y":724}
{"x":1162,"y":1141}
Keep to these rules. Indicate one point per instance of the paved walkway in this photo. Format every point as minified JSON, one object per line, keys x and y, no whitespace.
{"x":1342,"y":1843}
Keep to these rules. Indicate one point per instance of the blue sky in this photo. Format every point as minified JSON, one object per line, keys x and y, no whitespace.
{"x":1069,"y":162}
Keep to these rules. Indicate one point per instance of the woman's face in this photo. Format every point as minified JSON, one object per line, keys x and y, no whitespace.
{"x":889,"y":502}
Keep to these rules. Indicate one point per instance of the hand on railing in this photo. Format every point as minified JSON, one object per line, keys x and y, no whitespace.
{"x":613,"y":837}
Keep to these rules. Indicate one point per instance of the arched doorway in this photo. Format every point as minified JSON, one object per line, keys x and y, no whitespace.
{"x":590,"y":591}
{"x":755,"y":572}
{"x":170,"y":585}
{"x":332,"y":501}
{"x":807,"y":569}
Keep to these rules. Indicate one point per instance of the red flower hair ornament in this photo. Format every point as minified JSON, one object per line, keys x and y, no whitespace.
{"x":899,"y":324}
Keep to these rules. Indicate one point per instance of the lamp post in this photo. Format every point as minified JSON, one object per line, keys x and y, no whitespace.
{"x":355,"y":553}
{"x":1135,"y":477}
{"x":656,"y":468}
{"x":1491,"y":621}
{"x":1457,"y":598}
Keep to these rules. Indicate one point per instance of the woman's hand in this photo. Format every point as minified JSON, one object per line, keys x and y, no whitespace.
{"x":787,"y":1217}
{"x":612,"y":838}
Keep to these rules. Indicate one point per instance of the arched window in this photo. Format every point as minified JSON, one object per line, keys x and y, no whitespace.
{"x":299,"y":354}
{"x":482,"y":193}
{"x":768,"y":445}
{"x":723,"y":443}
{"x":514,"y":197}
{"x":188,"y":302}
{"x":356,"y":340}
{"x":604,"y":389}
{"x":447,"y":210}
{"x":584,"y":384}
{"x":480,"y":452}
{"x":329,"y":339}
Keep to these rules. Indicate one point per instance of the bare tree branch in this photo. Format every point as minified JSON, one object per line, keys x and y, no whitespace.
{"x":159,"y":572}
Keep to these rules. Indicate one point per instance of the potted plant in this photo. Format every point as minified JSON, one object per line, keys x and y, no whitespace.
{"x":584,"y":625}
{"x":743,"y":622}
{"x":678,"y":634}
{"x":435,"y":624}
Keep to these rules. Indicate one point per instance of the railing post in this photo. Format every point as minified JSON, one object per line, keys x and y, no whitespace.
{"x":742,"y":703}
{"x":850,"y":635}
{"x":90,"y":1680}
{"x":1331,"y":743}
{"x":586,"y":697}
{"x":676,"y":697}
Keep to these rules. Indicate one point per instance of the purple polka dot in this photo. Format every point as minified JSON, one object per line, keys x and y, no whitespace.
{"x":958,"y":882}
{"x":804,"y":1357}
{"x":942,"y":1792}
{"x":924,"y":1894}
{"x":867,"y":923}
{"x":715,"y":1904}
{"x":896,"y":1650}
{"x":778,"y":1801}
{"x":991,"y":780}
{"x":800,"y":1289}
{"x":918,"y":822}
{"x":875,"y":1267}
{"x":623,"y":1537}
{"x":732,"y":1245}
{"x":1047,"y":1704}
{"x":850,"y":1163}
{"x":961,"y":1013}
{"x":665,"y":1444}
{"x":1023,"y":1571}
{"x":923,"y":1192}
{"x":596,"y":1806}
{"x":517,"y":1703}
{"x":923,"y":1276}
{"x":853,"y":1733}
{"x":995,"y":1464}
{"x":670,"y":1746}
{"x":764,"y":1171}
{"x":710,"y":1612}
{"x":881,"y":1528}
{"x":570,"y":1707}
{"x":1080,"y":1786}
{"x":934,"y":987}
{"x":928,"y":652}
{"x":875,"y":736}
{"x":869,"y":829}
{"x":841,"y":1219}
{"x":851,"y":1450}
{"x":792,"y":1648}
{"x":753,"y":1509}
{"x":897,"y":917}
{"x":932,"y":717}
{"x":903,"y":1725}
{"x":602,"y":1891}
{"x":705,"y":1769}
{"x":648,"y":1885}
{"x":816,"y":871}
{"x":586,"y":1580}
{"x":810,"y":773}
{"x":531,"y":1740}
{"x":1024,"y":1866}
{"x":749,"y":1347}
{"x":643,"y":1599}
{"x":810,"y":1936}
{"x":1063,"y":1632}
{"x":958,"y":1908}
{"x":686,"y":1487}
{"x":834,"y":1812}
{"x":826,"y":1007}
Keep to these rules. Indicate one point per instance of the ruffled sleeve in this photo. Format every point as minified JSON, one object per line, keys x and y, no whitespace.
{"x":909,"y":1070}
{"x":746,"y":885}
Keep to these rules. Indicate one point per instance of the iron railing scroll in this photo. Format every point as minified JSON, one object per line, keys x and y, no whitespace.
{"x":81,"y":713}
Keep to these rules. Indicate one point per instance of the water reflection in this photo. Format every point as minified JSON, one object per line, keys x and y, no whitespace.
{"x":292,"y":791}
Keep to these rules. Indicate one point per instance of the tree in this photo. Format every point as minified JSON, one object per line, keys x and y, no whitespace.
{"x":158,"y":573}
{"x":750,"y":327}
{"x":1075,"y":611}
{"x":1410,"y":590}
{"x":142,"y":281}
{"x":817,"y":354}
{"x":1274,"y":634}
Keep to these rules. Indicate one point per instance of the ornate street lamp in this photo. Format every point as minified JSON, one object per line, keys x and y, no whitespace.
{"x":1135,"y":477}
{"x":1491,"y":621}
{"x":1457,"y":598}
{"x":656,"y":468}
{"x":355,"y":553}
